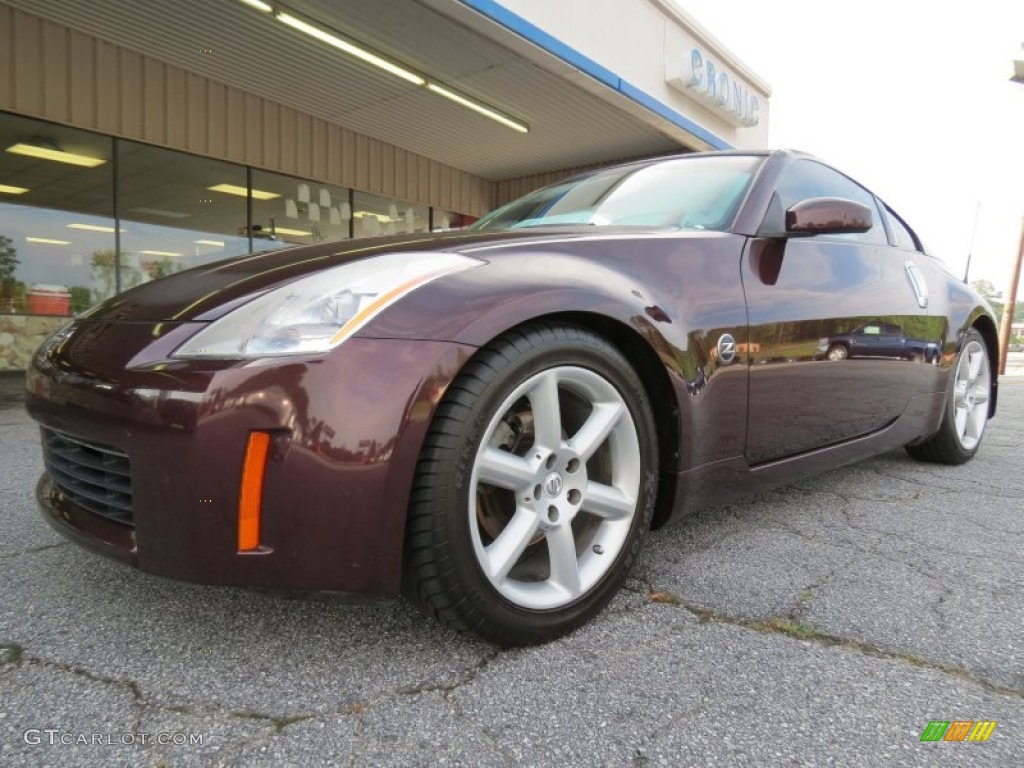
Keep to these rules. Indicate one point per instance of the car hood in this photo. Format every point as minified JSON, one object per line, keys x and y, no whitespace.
{"x":208,"y":292}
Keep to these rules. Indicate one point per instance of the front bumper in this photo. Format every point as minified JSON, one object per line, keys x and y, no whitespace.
{"x":346,"y":431}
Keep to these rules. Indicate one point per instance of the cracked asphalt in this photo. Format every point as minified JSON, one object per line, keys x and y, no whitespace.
{"x":822,"y":623}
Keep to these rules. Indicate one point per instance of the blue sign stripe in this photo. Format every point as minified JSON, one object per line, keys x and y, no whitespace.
{"x":534,"y":34}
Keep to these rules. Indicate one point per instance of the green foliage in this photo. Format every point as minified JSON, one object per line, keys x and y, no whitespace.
{"x":994,"y":297}
{"x":8,"y":259}
{"x":104,"y":273}
{"x":161,"y":268}
{"x":81,"y":298}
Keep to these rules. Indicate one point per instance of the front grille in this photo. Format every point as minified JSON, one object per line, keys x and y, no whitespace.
{"x":96,"y":477}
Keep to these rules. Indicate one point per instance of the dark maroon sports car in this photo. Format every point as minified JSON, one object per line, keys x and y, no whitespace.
{"x":491,"y":420}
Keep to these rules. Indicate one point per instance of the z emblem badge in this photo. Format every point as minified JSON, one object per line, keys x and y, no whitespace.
{"x":726,"y":348}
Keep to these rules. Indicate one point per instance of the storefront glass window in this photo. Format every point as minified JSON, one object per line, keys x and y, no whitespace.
{"x":66,"y":243}
{"x":445,"y":221}
{"x":289,"y":211}
{"x":56,"y":218}
{"x":375,"y":215}
{"x":177,"y":211}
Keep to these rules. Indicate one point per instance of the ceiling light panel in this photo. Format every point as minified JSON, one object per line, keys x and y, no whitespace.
{"x":92,"y":228}
{"x":46,"y":153}
{"x":232,"y":189}
{"x":7,"y":189}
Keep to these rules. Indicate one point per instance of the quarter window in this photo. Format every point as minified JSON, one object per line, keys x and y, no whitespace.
{"x":904,"y":237}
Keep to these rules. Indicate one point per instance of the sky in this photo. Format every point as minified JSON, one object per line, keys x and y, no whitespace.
{"x":911,"y":98}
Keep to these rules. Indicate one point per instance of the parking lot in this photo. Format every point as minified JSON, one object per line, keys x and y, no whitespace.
{"x":822,"y":623}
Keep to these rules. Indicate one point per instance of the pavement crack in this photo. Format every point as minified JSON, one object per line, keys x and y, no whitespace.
{"x":797,"y":611}
{"x":33,"y":550}
{"x":468,"y":675}
{"x":126,"y":684}
{"x":809,"y":633}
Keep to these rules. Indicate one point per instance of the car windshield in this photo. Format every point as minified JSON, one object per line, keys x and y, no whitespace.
{"x":686,"y":193}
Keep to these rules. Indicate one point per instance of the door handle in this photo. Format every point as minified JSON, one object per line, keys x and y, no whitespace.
{"x":918,"y":283}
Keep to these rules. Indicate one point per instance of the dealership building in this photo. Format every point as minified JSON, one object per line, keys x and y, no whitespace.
{"x":142,"y":137}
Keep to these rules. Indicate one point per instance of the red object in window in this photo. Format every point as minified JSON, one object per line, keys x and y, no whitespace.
{"x":48,"y":300}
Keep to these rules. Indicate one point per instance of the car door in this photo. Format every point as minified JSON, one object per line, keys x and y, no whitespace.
{"x":801,"y":291}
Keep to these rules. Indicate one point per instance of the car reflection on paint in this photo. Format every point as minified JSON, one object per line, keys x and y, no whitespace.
{"x":489,"y":421}
{"x":877,"y":339}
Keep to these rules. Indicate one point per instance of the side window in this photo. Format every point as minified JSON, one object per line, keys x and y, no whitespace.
{"x":904,"y":237}
{"x":806,"y":178}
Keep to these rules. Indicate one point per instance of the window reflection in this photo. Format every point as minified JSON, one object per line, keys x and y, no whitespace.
{"x":446,"y":221}
{"x":290,"y":211}
{"x":62,"y":249}
{"x":375,"y":216}
{"x":56,"y":218}
{"x":172,"y":216}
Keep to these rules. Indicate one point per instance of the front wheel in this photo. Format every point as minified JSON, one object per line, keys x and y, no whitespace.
{"x":534,"y":488}
{"x":966,"y":414}
{"x":838,"y":352}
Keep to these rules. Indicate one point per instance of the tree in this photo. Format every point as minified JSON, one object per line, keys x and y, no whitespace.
{"x":8,"y":259}
{"x":989,"y":293}
{"x":104,"y":272}
{"x":8,"y":263}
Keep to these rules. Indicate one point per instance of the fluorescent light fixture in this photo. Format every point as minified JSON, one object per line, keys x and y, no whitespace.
{"x":391,"y":67}
{"x":162,"y":213}
{"x":259,"y":5}
{"x":46,"y":153}
{"x":476,"y":106}
{"x":46,"y":241}
{"x":213,"y":243}
{"x":159,"y":253}
{"x":350,"y":49}
{"x":232,"y":189}
{"x":9,"y":190}
{"x":92,"y":228}
{"x":369,"y":214}
{"x":292,"y":232}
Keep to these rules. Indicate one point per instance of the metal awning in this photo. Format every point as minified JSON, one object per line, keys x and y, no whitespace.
{"x":573,"y":119}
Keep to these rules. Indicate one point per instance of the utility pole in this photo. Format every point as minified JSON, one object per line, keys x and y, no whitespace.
{"x":1005,"y":327}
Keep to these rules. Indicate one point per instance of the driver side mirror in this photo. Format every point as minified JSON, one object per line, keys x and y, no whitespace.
{"x":827,"y":216}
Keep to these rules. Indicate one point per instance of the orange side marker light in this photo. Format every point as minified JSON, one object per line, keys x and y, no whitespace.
{"x":250,"y":499}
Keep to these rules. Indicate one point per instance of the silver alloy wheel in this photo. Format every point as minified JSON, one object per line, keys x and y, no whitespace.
{"x":971,"y":386}
{"x":837,"y":352}
{"x":565,"y":527}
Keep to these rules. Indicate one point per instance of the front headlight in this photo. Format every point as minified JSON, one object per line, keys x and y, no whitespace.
{"x":317,"y":313}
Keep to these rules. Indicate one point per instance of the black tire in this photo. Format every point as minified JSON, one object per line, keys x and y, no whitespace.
{"x":950,"y":445}
{"x":446,"y":544}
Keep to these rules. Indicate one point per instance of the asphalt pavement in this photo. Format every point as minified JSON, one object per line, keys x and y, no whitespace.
{"x":822,"y":623}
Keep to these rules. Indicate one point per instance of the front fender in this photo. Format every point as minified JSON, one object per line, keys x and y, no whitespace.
{"x":675,"y":299}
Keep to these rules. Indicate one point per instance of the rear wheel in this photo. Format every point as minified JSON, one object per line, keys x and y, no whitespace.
{"x":534,"y":488}
{"x":966,"y":414}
